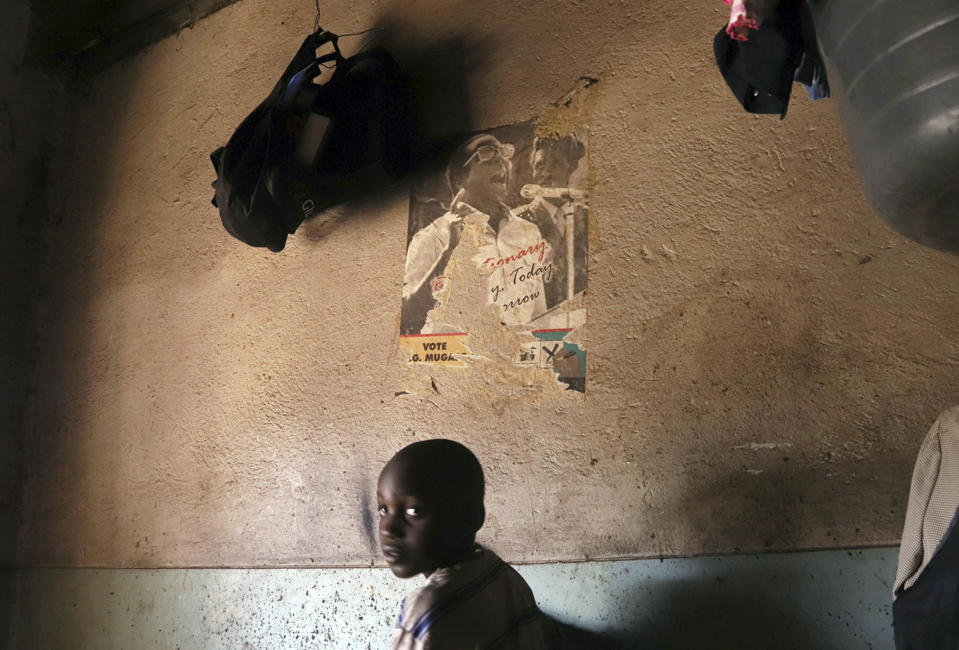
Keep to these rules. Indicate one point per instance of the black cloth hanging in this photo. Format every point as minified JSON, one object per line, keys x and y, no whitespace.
{"x":760,"y":70}
{"x":268,"y":182}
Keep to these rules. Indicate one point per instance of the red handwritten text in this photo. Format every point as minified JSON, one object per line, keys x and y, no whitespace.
{"x":540,"y":248}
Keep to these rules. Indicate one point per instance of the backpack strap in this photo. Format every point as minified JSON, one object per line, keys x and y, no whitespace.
{"x":305,"y":67}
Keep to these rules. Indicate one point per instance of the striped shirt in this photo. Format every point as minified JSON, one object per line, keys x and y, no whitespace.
{"x":482,"y":603}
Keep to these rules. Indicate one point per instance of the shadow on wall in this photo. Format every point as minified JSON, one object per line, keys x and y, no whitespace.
{"x":706,"y":615}
{"x":780,"y":422}
{"x":769,"y":512}
{"x":571,"y":637}
{"x":731,"y":613}
{"x":800,"y":601}
{"x":803,"y":601}
{"x":744,"y":611}
{"x":69,"y":212}
{"x":438,"y":72}
{"x":29,"y":116}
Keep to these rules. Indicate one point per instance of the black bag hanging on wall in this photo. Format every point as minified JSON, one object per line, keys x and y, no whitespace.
{"x":308,"y":147}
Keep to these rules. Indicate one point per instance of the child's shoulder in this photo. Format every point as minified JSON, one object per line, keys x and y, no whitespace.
{"x":478,"y":602}
{"x":450,"y":586}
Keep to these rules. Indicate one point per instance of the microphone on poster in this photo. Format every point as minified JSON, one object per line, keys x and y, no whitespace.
{"x":532,"y":191}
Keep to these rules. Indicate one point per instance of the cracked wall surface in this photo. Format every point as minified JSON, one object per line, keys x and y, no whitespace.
{"x":764,"y":354}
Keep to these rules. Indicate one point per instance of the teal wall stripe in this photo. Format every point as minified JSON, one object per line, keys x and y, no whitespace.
{"x":814,"y":600}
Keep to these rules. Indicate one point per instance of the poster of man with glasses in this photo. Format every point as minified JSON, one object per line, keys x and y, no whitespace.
{"x":522,"y":200}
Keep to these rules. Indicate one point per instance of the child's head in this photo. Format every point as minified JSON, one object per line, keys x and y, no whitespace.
{"x":430,"y":500}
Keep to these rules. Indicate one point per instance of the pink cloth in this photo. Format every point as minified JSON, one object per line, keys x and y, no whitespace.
{"x":740,"y":20}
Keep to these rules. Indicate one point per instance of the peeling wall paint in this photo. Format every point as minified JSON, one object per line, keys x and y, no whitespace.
{"x":202,"y":403}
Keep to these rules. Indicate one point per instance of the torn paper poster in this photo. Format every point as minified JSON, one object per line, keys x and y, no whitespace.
{"x":446,"y":349}
{"x":501,"y":232}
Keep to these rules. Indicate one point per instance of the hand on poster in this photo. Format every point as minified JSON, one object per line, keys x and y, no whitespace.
{"x":456,"y":232}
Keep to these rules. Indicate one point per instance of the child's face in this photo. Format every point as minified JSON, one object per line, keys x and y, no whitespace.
{"x":416,"y":536}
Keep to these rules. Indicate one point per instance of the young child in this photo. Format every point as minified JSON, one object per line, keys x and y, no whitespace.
{"x":430,"y":500}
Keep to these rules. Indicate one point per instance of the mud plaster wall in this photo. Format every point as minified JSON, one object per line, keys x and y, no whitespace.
{"x":764,"y":354}
{"x":29,"y":105}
